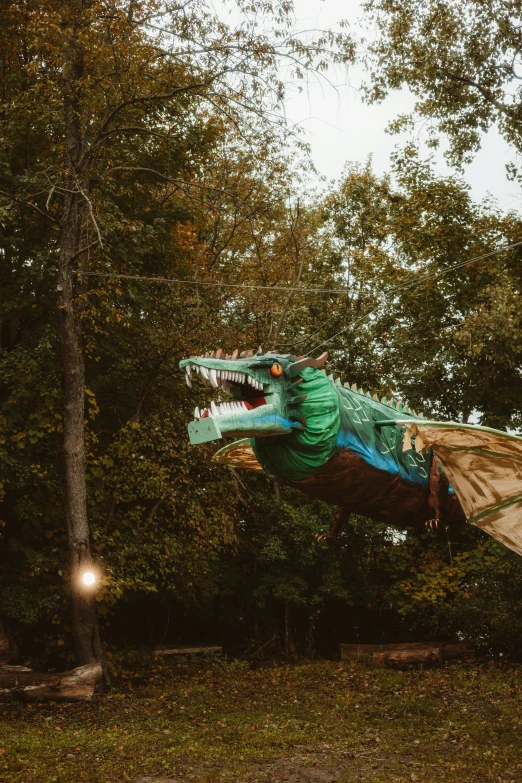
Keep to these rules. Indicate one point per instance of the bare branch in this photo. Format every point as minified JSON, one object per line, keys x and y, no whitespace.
{"x":165,"y":178}
{"x":83,"y":250}
{"x":483,"y":91}
{"x":91,"y":213}
{"x":146,"y":99}
{"x":27,"y":204}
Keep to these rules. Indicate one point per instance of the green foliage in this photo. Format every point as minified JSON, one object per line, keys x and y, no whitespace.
{"x":446,"y":339}
{"x":461,"y":61}
{"x":467,"y":587}
{"x":23,"y":604}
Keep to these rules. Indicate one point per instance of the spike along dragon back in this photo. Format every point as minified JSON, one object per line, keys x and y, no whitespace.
{"x":341,"y":445}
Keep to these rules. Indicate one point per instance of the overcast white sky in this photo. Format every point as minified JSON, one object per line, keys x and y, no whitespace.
{"x":341,"y":128}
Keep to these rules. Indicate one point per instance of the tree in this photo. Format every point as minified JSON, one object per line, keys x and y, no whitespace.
{"x":104,"y":101}
{"x":461,"y":60}
{"x":422,"y":317}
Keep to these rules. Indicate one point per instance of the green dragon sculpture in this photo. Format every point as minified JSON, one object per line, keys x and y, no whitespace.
{"x":337,"y":443}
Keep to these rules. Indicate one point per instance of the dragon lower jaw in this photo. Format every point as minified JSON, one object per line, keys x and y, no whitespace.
{"x":239,"y":422}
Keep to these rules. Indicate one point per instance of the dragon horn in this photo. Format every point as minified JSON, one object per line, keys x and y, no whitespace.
{"x":306,"y":361}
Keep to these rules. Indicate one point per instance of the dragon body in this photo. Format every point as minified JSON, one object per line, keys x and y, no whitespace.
{"x":339,"y":444}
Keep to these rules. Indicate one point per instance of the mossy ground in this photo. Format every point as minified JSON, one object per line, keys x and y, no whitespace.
{"x":318,"y":722}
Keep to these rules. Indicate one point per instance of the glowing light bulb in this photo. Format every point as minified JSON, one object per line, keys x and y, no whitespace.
{"x":88,"y":578}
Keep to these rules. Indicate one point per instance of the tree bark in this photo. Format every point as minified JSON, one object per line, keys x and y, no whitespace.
{"x":299,"y":262}
{"x":4,"y":645}
{"x":87,"y":647}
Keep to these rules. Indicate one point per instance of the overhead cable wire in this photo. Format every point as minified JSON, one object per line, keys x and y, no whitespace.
{"x":410,"y":284}
{"x":171,"y":280}
{"x":299,"y":290}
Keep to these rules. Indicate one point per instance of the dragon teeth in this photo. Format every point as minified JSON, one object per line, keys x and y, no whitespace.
{"x":223,"y":378}
{"x":222,"y":409}
{"x":197,"y":414}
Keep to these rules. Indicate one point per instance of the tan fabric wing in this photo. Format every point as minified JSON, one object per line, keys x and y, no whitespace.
{"x":239,"y":454}
{"x":484,"y":467}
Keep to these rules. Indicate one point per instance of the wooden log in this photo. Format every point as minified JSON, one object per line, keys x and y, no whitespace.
{"x":406,"y":657}
{"x":75,"y":685}
{"x":163,"y":649}
{"x":406,"y":652}
{"x":362,"y":651}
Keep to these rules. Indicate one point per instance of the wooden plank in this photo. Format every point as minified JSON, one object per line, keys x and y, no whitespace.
{"x":162,"y":649}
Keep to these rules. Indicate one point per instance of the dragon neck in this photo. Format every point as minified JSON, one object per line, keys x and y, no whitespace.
{"x":337,"y":418}
{"x":296,"y":456}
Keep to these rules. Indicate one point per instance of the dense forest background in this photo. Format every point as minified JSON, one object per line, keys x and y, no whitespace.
{"x":198,"y":178}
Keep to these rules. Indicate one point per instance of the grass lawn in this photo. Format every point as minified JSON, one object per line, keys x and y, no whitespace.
{"x":314,"y":723}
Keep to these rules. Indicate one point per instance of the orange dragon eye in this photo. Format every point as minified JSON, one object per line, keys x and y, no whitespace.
{"x":276,"y":370}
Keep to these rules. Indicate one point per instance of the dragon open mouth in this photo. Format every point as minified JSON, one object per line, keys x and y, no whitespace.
{"x":247,"y":395}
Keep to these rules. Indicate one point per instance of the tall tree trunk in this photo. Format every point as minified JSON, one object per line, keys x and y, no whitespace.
{"x":87,"y":647}
{"x":299,"y":265}
{"x":287,"y":630}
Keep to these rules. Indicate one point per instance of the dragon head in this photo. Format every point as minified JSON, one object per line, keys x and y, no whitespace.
{"x":264,"y":394}
{"x":270,"y":394}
